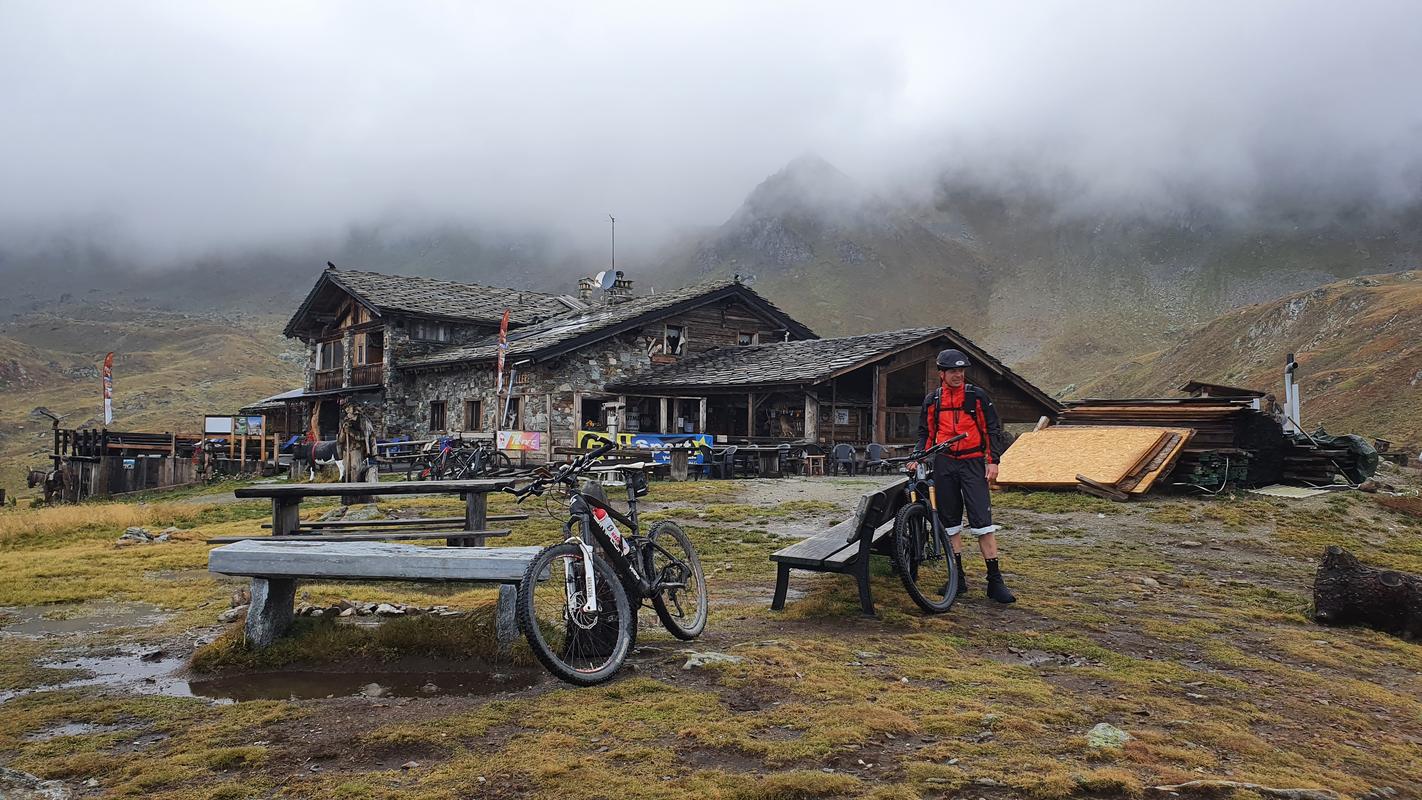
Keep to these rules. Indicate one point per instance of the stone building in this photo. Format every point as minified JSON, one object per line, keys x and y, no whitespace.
{"x":714,"y":357}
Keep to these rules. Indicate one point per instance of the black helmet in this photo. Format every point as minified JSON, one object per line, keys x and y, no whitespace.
{"x":952,"y":359}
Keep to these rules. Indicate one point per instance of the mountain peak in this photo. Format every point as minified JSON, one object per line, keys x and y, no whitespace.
{"x":806,"y":183}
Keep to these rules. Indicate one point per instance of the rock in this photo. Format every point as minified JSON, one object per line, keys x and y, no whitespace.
{"x":92,"y":783}
{"x":387,"y":610}
{"x":135,"y":536}
{"x":232,"y":614}
{"x":1369,"y":486}
{"x":986,"y":782}
{"x":1105,"y":735}
{"x":316,"y":612}
{"x":169,"y":531}
{"x":1149,"y":583}
{"x":373,"y":690}
{"x":1189,"y":543}
{"x":709,"y":658}
{"x":346,"y":604}
{"x":16,"y":785}
{"x":410,"y":765}
{"x":363,"y":512}
{"x":429,"y":688}
{"x":348,"y":612}
{"x":241,"y":597}
{"x":162,"y":537}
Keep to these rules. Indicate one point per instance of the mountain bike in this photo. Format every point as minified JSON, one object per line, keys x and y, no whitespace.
{"x":573,"y":602}
{"x":923,"y":554}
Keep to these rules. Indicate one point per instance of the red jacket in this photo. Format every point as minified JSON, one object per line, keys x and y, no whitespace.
{"x":951,"y":411}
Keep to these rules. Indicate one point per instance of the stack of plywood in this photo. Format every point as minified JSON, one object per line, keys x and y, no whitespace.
{"x":1114,"y":462}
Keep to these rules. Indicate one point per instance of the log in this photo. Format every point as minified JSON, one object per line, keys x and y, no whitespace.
{"x":1347,"y":592}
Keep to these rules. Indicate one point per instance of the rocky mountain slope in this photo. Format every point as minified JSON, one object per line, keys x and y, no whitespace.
{"x":169,"y":370}
{"x":1358,"y":343}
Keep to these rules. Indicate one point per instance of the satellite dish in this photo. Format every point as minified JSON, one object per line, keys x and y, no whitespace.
{"x":605,"y":279}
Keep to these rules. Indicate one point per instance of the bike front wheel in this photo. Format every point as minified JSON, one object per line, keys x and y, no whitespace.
{"x":680,"y":600}
{"x":578,"y":646}
{"x":925,"y":559}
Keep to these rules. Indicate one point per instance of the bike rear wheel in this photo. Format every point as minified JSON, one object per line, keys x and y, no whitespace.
{"x":681,"y":603}
{"x":925,"y":559}
{"x":583,"y":648}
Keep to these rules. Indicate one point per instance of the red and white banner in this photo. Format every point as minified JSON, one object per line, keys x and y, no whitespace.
{"x":503,"y":349}
{"x":109,"y":389}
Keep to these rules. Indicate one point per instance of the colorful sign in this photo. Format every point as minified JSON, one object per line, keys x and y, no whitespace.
{"x":520,"y":440}
{"x":659,"y":443}
{"x":109,"y":389}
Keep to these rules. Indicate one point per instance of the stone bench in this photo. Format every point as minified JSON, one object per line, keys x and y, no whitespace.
{"x":276,"y":566}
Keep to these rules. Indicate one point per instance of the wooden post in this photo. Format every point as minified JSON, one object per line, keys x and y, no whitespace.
{"x":876,"y":412}
{"x":231,"y":437}
{"x":548,"y":427}
{"x":812,"y":417}
{"x":263,"y":440}
{"x":242,"y":454}
{"x":665,"y":426}
{"x":750,"y":415}
{"x":701,"y":417}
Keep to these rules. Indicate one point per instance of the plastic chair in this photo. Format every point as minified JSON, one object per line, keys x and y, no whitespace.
{"x":874,"y":457}
{"x":843,"y":457}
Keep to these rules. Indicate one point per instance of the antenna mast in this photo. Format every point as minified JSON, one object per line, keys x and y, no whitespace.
{"x":614,"y":241}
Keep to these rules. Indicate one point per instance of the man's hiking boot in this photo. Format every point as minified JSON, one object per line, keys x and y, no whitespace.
{"x":996,"y":587}
{"x":962,"y":580}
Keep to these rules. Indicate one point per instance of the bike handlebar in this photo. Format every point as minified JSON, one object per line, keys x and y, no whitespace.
{"x":922,"y":454}
{"x":564,"y":474}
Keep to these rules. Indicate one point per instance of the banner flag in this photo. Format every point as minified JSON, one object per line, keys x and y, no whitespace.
{"x":109,"y":389}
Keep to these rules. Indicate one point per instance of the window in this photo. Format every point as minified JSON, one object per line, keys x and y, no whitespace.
{"x":369,"y":348}
{"x":436,"y":415}
{"x":429,"y":331}
{"x":513,"y":414}
{"x":330,"y":354}
{"x":747,"y":338}
{"x":473,"y":415}
{"x":674,"y":340}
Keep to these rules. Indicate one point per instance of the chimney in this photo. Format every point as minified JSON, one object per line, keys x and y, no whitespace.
{"x":621,"y":290}
{"x":586,"y":285}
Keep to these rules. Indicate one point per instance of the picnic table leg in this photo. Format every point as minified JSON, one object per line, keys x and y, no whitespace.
{"x":286,"y":516}
{"x":505,"y":623}
{"x":271,"y":611}
{"x":476,"y":518}
{"x":861,"y":572}
{"x":782,"y":586}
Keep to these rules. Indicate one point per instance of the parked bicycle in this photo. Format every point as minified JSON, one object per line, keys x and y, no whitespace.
{"x":448,"y":458}
{"x":575,"y":601}
{"x":923,"y":554}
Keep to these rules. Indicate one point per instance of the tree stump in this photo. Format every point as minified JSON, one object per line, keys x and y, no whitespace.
{"x":1347,"y":592}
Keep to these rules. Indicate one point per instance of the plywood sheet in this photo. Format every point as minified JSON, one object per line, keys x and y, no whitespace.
{"x":1167,"y":463}
{"x":1055,"y":456}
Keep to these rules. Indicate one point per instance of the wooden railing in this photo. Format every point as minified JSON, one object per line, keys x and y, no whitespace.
{"x":328,"y":379}
{"x":367,"y":374}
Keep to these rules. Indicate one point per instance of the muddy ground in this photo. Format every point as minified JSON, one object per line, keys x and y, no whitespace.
{"x":1181,"y":622}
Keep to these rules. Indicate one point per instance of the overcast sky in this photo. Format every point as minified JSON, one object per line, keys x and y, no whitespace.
{"x":182,"y":126}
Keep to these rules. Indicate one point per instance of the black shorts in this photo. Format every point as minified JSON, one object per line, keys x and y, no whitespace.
{"x":962,"y":483}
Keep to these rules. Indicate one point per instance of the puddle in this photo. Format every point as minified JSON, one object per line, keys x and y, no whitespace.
{"x":71,"y":729}
{"x":41,"y":621}
{"x":310,"y":685}
{"x":166,"y":674}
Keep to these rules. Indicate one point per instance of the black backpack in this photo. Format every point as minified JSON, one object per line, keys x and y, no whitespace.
{"x":1000,"y":440}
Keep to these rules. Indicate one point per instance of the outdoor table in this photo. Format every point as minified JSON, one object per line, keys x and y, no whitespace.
{"x":286,"y":499}
{"x":766,"y":456}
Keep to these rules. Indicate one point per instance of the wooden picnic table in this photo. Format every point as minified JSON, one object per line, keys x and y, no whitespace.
{"x":767,"y":458}
{"x":286,"y":502}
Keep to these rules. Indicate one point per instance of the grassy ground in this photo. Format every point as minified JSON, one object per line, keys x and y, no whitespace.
{"x":1182,"y":622}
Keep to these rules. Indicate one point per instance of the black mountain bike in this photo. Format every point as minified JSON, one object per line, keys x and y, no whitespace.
{"x":923,"y":554}
{"x":573,"y":603}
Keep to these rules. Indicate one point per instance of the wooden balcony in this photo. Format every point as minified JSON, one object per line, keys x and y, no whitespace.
{"x":327,"y":380}
{"x":367,"y":375}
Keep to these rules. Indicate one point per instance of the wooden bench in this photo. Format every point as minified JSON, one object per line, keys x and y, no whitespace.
{"x":472,"y":531}
{"x":846,"y":547}
{"x":276,"y":566}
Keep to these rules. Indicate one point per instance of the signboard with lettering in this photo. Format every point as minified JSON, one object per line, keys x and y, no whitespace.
{"x":520,"y":440}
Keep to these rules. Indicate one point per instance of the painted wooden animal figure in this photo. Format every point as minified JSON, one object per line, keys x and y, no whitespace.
{"x":321,"y":454}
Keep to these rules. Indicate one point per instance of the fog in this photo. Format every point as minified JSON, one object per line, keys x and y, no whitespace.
{"x":176,"y":129}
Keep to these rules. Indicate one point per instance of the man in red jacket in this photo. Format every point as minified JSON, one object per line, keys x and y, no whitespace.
{"x":961,"y":474}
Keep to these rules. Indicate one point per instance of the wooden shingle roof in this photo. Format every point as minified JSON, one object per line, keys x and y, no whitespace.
{"x":574,"y":329}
